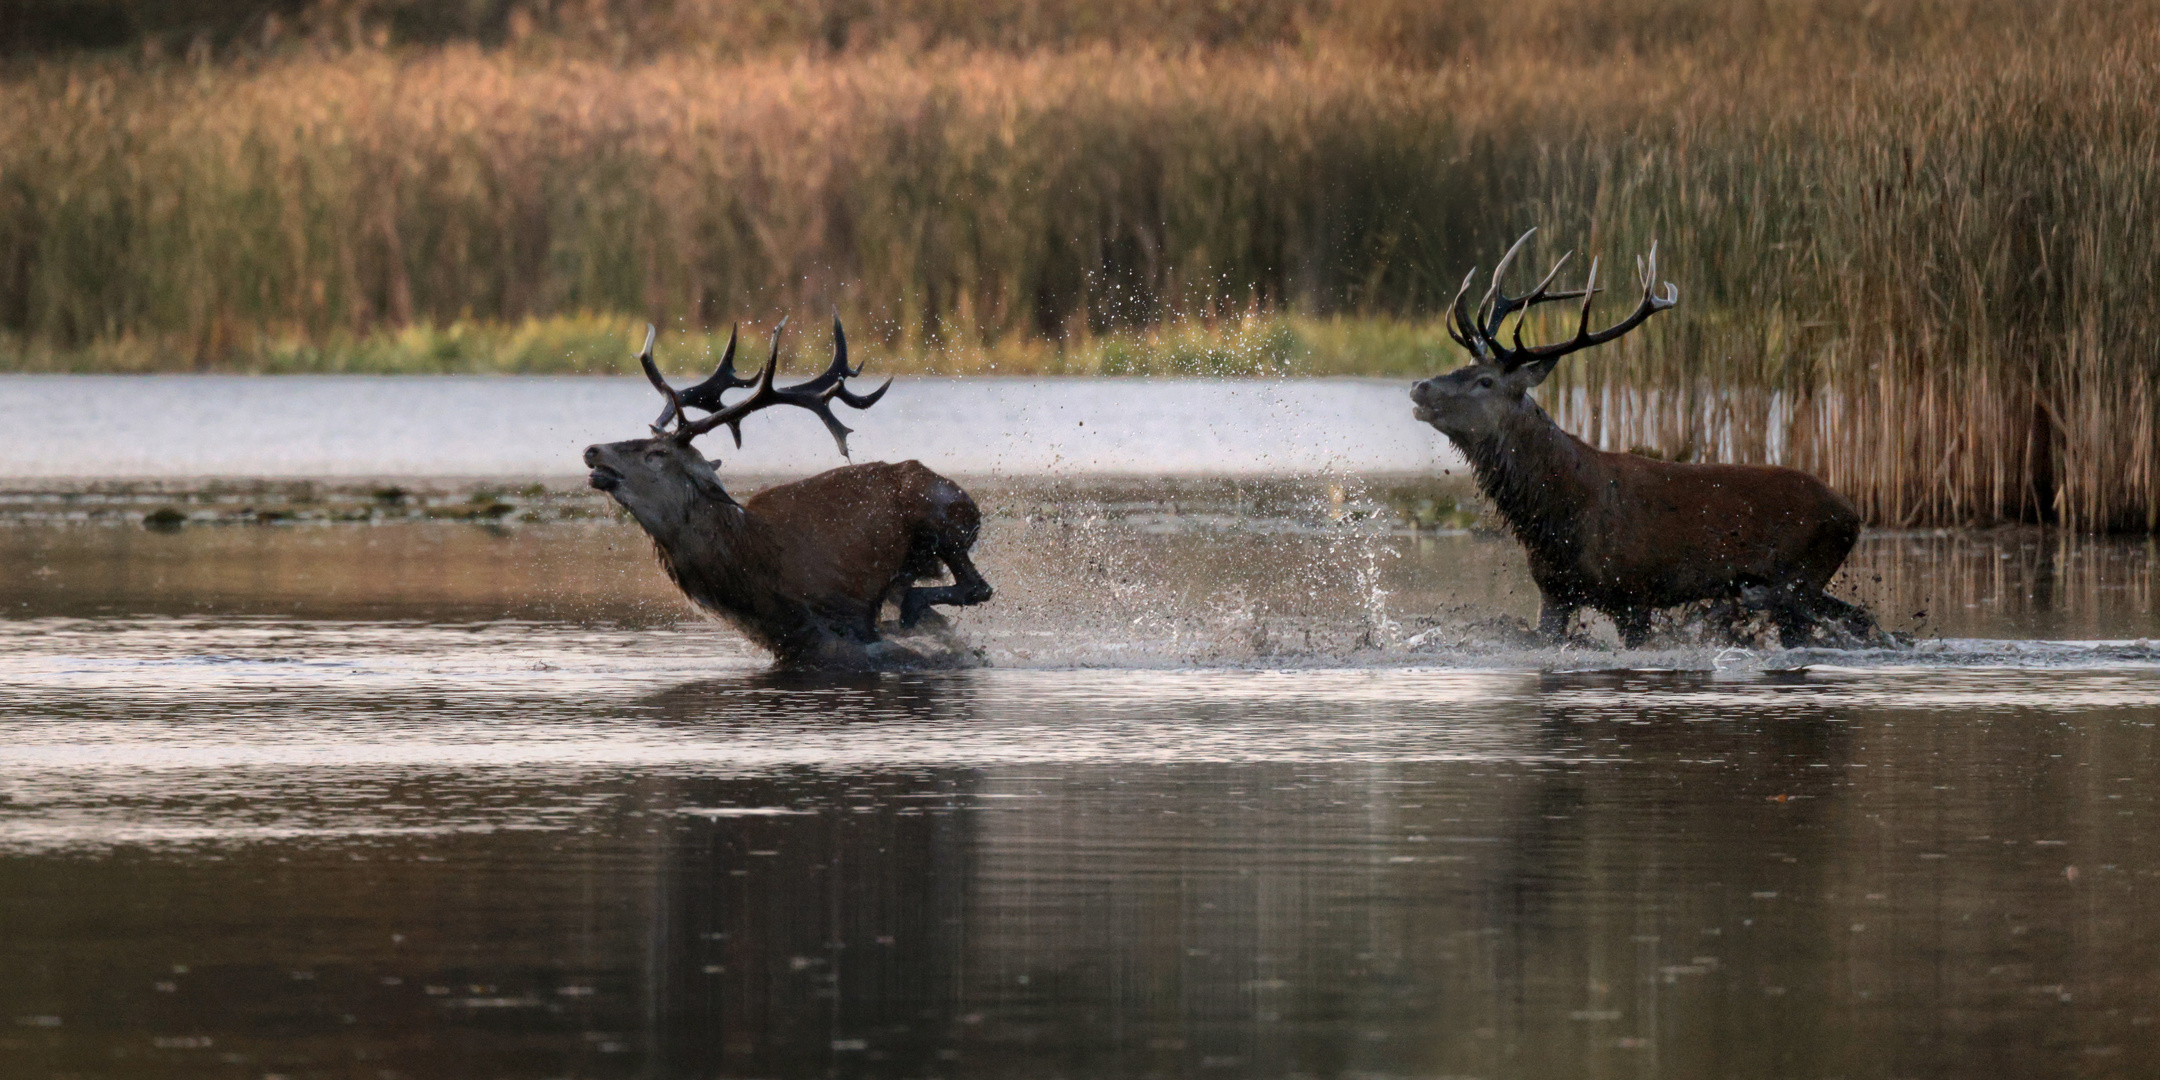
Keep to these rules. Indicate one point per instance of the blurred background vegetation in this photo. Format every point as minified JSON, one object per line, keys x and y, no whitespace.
{"x":1414,"y":32}
{"x":1914,"y":238}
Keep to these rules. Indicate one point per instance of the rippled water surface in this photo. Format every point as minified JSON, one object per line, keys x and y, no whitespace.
{"x":1251,"y":783}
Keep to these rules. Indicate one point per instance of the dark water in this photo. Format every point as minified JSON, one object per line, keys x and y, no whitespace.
{"x":1246,"y":790}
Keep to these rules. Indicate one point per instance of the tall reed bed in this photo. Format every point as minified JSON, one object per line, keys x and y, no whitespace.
{"x":951,"y":204}
{"x":1928,"y":283}
{"x":1924,"y":271}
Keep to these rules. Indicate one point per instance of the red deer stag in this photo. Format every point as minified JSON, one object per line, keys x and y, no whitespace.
{"x":1619,"y":533}
{"x":803,"y":568}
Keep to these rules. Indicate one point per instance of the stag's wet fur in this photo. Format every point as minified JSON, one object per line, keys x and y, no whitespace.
{"x":1628,"y":536}
{"x":803,"y":569}
{"x":1623,"y":534}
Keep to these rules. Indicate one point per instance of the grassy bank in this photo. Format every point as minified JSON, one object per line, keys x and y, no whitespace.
{"x":1915,"y":241}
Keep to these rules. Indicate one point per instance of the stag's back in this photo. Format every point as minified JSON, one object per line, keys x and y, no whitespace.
{"x":1688,"y":526}
{"x":853,"y":529}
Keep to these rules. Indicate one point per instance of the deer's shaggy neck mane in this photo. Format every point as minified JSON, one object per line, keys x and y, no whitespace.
{"x":713,"y":557}
{"x":1535,"y":475}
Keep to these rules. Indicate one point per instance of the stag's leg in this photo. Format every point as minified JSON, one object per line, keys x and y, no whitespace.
{"x":1721,"y":622}
{"x":1793,"y":613}
{"x":1855,"y":621}
{"x":968,"y":588}
{"x":1634,"y":626}
{"x":1553,"y":618}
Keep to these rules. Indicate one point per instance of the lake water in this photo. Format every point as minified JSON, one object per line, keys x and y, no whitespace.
{"x":495,"y":427}
{"x":1255,"y":781}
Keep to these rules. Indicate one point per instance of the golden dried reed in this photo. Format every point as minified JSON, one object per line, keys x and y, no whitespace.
{"x":1916,"y":249}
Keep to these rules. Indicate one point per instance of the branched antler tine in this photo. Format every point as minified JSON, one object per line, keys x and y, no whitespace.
{"x":1538,"y":296}
{"x":673,"y":408}
{"x":840,"y":431}
{"x":772,"y":363}
{"x":761,"y":396}
{"x":839,"y":348}
{"x":1650,"y":304}
{"x":727,"y":355}
{"x":1481,"y":332}
{"x":820,"y":402}
{"x":833,"y":383}
{"x":861,"y":401}
{"x":1543,"y":294}
{"x":707,"y":395}
{"x":1582,"y":324}
{"x":1458,"y":321}
{"x":1487,"y":320}
{"x":764,"y":395}
{"x":725,"y":372}
{"x":816,"y":394}
{"x":835,"y":373}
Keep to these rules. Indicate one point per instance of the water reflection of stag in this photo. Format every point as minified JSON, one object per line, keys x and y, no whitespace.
{"x":810,"y":919}
{"x":1665,"y":864}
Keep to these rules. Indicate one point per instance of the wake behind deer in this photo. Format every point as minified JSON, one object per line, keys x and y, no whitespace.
{"x":1623,"y":534}
{"x":804,"y":569}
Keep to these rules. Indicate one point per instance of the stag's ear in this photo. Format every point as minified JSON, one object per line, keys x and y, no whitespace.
{"x":705,"y":478}
{"x":1531,"y":374}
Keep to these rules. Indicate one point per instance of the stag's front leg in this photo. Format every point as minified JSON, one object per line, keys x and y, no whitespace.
{"x":968,"y":587}
{"x":1553,"y":619}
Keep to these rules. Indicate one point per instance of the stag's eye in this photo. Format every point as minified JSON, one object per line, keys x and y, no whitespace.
{"x":655,"y":456}
{"x":1485,"y":383}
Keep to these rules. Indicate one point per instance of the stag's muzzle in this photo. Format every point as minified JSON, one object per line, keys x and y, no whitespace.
{"x":603,"y":478}
{"x":1421,"y":400}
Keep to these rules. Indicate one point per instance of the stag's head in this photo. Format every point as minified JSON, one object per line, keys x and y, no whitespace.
{"x":1473,"y":402}
{"x":663,"y":480}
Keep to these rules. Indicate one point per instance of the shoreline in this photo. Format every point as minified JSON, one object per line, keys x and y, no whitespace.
{"x":1395,"y":503}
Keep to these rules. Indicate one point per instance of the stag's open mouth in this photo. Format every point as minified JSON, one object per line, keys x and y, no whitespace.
{"x":604,"y":478}
{"x":1421,"y":413}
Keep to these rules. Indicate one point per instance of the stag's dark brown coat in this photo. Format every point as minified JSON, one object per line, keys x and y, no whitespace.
{"x":1620,"y":533}
{"x":803,"y":568}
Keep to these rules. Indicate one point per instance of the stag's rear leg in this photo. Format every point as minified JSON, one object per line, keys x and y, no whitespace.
{"x":1633,"y":625}
{"x":1798,"y":609}
{"x":1553,"y":618}
{"x":1853,"y":622}
{"x":968,"y":588}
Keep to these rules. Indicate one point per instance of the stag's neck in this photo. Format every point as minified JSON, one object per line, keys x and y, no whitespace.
{"x":1538,"y":477}
{"x":718,"y":557}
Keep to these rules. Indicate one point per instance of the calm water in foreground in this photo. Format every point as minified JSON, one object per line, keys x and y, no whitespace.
{"x":1245,"y":789}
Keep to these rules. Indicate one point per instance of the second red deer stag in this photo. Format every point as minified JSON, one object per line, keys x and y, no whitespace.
{"x":1619,"y":533}
{"x":805,"y":568}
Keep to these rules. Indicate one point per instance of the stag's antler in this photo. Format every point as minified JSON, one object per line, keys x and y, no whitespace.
{"x":1480,"y":332}
{"x":705,"y":395}
{"x":816,"y":395}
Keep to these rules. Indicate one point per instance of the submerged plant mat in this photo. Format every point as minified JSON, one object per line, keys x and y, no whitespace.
{"x":1914,"y":240}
